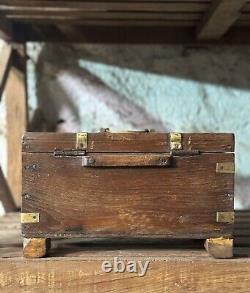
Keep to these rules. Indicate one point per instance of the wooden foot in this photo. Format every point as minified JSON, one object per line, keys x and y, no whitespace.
{"x":35,"y":247}
{"x":219,"y":247}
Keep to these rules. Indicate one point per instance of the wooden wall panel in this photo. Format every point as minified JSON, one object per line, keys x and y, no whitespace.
{"x":180,"y":201}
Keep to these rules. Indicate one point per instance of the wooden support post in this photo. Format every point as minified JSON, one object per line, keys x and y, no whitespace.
{"x":35,"y":247}
{"x":16,"y":108}
{"x":5,"y":65}
{"x":219,"y":247}
{"x":5,"y":195}
{"x":219,"y":18}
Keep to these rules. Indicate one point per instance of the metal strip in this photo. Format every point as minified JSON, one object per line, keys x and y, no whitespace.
{"x":28,"y":218}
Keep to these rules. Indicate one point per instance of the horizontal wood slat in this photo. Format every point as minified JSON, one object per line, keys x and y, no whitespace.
{"x":127,"y":142}
{"x":126,"y":23}
{"x":78,"y":7}
{"x":105,"y":15}
{"x":77,"y":267}
{"x":168,"y":268}
{"x":36,"y":20}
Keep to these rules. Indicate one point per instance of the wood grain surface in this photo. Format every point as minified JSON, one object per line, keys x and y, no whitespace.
{"x":127,"y":160}
{"x":77,"y":267}
{"x":128,"y":142}
{"x":179,"y":201}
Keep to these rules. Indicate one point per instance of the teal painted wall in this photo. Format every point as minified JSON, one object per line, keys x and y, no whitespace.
{"x":172,"y":88}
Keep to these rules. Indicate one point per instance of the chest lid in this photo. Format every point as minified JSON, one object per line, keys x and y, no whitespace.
{"x":131,"y":142}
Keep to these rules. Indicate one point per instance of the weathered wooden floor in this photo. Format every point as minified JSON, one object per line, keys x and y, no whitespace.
{"x":77,"y":267}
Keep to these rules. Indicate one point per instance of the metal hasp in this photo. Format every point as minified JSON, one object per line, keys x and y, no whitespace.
{"x":175,"y":141}
{"x":28,"y":218}
{"x":225,"y":217}
{"x":226,"y":167}
{"x":81,"y":140}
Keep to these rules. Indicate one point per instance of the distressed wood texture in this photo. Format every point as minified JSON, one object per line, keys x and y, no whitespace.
{"x":35,"y":247}
{"x":179,"y":201}
{"x":219,"y":18}
{"x":183,"y":267}
{"x":127,"y":160}
{"x":171,"y":272}
{"x":219,"y":247}
{"x":128,"y":142}
{"x":5,"y":194}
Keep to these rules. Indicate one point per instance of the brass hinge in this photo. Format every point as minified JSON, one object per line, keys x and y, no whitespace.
{"x":81,"y":140}
{"x":28,"y":218}
{"x":225,"y":217}
{"x":175,"y":141}
{"x":226,"y":167}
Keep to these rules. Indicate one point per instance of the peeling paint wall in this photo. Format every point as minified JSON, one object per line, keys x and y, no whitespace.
{"x":172,"y":88}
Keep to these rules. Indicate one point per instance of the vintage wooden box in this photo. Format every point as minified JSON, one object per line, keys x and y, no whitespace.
{"x":128,"y":185}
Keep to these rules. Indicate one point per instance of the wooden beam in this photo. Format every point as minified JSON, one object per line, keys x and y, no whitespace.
{"x":5,"y":194}
{"x":70,"y":7}
{"x":116,"y":35}
{"x":16,"y":108}
{"x":5,"y":64}
{"x":219,"y":18}
{"x":79,"y":269}
{"x":5,"y":29}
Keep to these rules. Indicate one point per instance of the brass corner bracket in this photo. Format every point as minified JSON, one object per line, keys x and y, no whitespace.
{"x":225,"y":167}
{"x":28,"y":218}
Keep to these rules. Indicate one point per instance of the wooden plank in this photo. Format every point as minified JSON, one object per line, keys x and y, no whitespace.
{"x":122,"y":23}
{"x":128,"y":142}
{"x":219,"y":18}
{"x":180,"y":201}
{"x":173,"y":267}
{"x":127,"y":160}
{"x":16,"y":108}
{"x":145,"y":34}
{"x":70,"y":7}
{"x":5,"y":64}
{"x":5,"y":195}
{"x":104,"y":15}
{"x":168,"y":271}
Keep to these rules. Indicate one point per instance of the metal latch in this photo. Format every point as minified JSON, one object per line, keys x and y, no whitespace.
{"x":175,"y":141}
{"x":81,"y":140}
{"x":28,"y":218}
{"x":225,"y":217}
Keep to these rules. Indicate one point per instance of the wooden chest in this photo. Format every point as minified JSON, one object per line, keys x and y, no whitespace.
{"x":128,"y":185}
